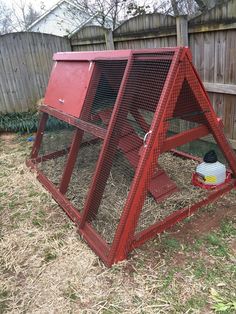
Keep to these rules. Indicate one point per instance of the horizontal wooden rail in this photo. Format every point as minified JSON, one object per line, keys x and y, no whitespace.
{"x":184,"y":137}
{"x":210,"y":27}
{"x":81,"y":124}
{"x":220,"y":88}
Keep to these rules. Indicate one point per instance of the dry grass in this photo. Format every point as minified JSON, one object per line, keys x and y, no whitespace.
{"x":46,"y":268}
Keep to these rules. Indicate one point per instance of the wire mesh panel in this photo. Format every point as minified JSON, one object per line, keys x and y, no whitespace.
{"x":180,"y":172}
{"x":83,"y":171}
{"x":108,"y":78}
{"x":201,"y":146}
{"x":54,"y":148}
{"x":135,"y":108}
{"x":114,"y":197}
{"x":186,"y":115}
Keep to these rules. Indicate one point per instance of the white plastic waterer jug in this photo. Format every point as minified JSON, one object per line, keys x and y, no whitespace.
{"x":211,"y":170}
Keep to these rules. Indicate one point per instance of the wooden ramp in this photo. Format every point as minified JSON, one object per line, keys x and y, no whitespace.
{"x":161,"y":186}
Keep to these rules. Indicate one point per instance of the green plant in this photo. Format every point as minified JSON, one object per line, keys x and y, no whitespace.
{"x":218,"y":247}
{"x":71,"y":293}
{"x":171,"y":244}
{"x":222,"y":304}
{"x":227,"y":228}
{"x":3,"y":300}
{"x":49,"y":256}
{"x":27,"y":122}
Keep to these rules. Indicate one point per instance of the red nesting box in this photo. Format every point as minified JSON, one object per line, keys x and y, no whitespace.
{"x":71,"y":76}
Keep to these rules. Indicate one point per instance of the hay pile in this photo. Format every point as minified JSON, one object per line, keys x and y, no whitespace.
{"x":118,"y":185}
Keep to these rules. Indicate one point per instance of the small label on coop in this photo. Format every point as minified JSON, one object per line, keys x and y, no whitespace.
{"x":210,"y":179}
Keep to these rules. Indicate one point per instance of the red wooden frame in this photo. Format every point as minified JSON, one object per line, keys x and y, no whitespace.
{"x":125,"y":238}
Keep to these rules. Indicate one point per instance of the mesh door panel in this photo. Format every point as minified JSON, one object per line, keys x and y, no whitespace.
{"x":201,"y":146}
{"x":104,"y":89}
{"x":114,"y":197}
{"x":83,"y":171}
{"x":54,"y":148}
{"x":179,"y":125}
{"x":180,"y":172}
{"x":134,"y":113}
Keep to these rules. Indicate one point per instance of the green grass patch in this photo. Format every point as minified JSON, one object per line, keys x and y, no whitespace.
{"x":195,"y":246}
{"x":34,"y":193}
{"x":227,"y":229}
{"x":217,"y":247}
{"x":168,"y":279}
{"x":20,"y":215}
{"x":71,"y":293}
{"x":49,"y":255}
{"x":39,"y":218}
{"x":4,"y":294}
{"x":171,"y":244}
{"x":68,"y":226}
{"x":222,"y":303}
{"x":200,"y":269}
{"x":196,"y":302}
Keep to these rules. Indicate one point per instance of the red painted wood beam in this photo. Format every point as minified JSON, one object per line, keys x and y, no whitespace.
{"x":50,"y":156}
{"x":145,"y":235}
{"x":71,"y":211}
{"x":62,"y":152}
{"x":39,"y":135}
{"x":184,"y":138}
{"x":79,"y":123}
{"x":73,"y":153}
{"x":95,"y":241}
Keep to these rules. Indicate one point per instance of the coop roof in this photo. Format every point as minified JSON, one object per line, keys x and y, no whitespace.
{"x":108,"y":54}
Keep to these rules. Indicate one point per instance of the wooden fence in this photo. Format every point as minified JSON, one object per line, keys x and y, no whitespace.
{"x":211,"y":37}
{"x":25,"y":65}
{"x":26,"y":58}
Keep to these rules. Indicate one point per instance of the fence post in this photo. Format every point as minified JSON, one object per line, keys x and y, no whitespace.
{"x":109,"y":40}
{"x":182,"y":30}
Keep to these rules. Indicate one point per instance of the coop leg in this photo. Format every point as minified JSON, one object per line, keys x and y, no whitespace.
{"x":74,"y":149}
{"x":39,"y":136}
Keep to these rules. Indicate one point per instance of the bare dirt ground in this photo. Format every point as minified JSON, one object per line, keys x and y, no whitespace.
{"x":205,"y":222}
{"x":45,"y":267}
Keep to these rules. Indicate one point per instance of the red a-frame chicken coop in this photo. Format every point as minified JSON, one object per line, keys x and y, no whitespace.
{"x":116,"y":109}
